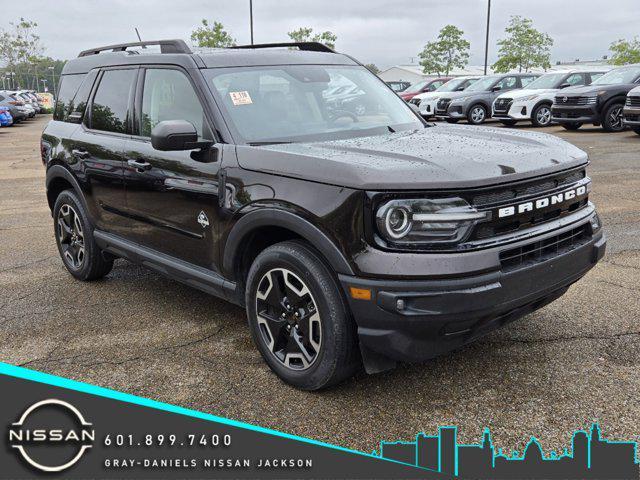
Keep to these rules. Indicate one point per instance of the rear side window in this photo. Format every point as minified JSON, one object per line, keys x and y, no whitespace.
{"x":69,"y":85}
{"x":110,"y":107}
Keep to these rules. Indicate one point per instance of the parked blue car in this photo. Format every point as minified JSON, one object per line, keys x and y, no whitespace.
{"x":6,"y":120}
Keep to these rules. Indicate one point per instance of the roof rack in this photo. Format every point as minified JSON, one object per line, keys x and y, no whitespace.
{"x":166,"y":46}
{"x":307,"y":46}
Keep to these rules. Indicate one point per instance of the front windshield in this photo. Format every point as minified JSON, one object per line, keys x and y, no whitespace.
{"x":289,"y":103}
{"x":482,"y":85}
{"x":550,"y":80}
{"x":619,"y":76}
{"x":452,"y":85}
{"x":416,"y":87}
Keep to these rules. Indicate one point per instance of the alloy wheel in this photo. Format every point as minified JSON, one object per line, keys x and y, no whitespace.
{"x":543,"y":116}
{"x":288,"y":319}
{"x":615,"y":118}
{"x":477,"y":115}
{"x":70,"y":236}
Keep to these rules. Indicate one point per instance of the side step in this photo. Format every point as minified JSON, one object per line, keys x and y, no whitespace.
{"x":198,"y":277}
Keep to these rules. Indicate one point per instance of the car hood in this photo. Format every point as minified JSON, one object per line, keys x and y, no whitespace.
{"x":591,"y":89}
{"x":430,"y":95}
{"x":525,"y":93}
{"x":635,"y":91}
{"x":437,"y":157}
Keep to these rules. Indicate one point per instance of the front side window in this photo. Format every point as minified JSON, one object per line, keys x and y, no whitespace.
{"x":524,"y":81}
{"x":507,"y":83}
{"x":168,"y":95}
{"x":575,"y":79}
{"x":288,"y":103}
{"x":110,"y":107}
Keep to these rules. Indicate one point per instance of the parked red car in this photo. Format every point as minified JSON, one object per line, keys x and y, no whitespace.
{"x":428,"y":85}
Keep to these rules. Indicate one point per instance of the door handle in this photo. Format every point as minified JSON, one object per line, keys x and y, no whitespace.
{"x":139,"y":165}
{"x":80,"y":154}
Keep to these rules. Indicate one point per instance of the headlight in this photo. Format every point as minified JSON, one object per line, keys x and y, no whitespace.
{"x":427,"y":221}
{"x":460,"y":99}
{"x":527,"y":98}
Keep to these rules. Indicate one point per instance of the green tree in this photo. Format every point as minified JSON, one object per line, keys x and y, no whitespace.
{"x":373,"y":68}
{"x":524,"y":47}
{"x":624,"y":52}
{"x":212,"y":36}
{"x":449,"y":51}
{"x":305,"y":34}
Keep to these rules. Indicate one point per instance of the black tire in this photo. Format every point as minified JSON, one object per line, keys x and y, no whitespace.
{"x":612,"y":118}
{"x":508,"y":123}
{"x":572,"y":126}
{"x":541,"y":115}
{"x":451,"y":120}
{"x":477,"y":114}
{"x":91,"y":265}
{"x":337,"y":357}
{"x":636,"y":129}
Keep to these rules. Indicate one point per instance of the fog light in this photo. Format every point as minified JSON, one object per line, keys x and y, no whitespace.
{"x":595,"y":223}
{"x":400,"y":304}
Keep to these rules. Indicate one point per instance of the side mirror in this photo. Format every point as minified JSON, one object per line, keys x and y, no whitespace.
{"x":564,"y":85}
{"x":460,"y":89}
{"x":173,"y":135}
{"x":496,"y":88}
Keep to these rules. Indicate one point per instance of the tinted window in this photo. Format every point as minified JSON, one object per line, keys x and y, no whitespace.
{"x":81,"y":98}
{"x":595,"y":76}
{"x":109,"y":110}
{"x":69,"y":85}
{"x":168,"y":95}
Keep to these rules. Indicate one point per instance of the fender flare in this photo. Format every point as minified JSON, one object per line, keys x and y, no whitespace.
{"x":274,"y":217}
{"x":619,"y":98}
{"x":58,"y":171}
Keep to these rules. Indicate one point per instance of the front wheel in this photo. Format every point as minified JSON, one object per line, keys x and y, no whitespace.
{"x":612,"y":121}
{"x":541,"y":116}
{"x":572,"y":126}
{"x":477,"y":114}
{"x":298,"y":317}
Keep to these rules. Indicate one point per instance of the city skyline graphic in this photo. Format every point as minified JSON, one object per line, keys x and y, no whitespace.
{"x":589,"y":456}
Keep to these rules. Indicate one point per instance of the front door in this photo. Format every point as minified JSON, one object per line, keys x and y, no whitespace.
{"x":172,"y":197}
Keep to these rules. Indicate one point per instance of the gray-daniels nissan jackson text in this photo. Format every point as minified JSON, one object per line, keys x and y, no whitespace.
{"x":351,"y":237}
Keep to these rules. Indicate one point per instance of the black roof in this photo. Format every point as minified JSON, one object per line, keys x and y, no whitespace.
{"x":269,"y":54}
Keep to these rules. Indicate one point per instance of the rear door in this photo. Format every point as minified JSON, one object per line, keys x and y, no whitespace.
{"x":172,"y":197}
{"x":98,"y":146}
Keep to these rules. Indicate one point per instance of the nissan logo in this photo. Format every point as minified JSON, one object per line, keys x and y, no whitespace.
{"x":60,"y":427}
{"x":564,"y":99}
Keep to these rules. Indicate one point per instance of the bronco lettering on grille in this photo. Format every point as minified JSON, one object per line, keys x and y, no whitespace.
{"x":544,"y":202}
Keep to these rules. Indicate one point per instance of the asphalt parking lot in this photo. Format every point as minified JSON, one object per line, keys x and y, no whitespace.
{"x":571,"y":363}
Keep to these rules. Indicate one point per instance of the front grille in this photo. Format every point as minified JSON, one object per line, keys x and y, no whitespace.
{"x":542,"y":250}
{"x":633,"y":101}
{"x":566,"y":100}
{"x":443,"y":105}
{"x":503,"y":105}
{"x":505,"y":196}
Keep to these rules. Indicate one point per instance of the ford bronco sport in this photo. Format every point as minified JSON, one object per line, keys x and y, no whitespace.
{"x":351,"y":239}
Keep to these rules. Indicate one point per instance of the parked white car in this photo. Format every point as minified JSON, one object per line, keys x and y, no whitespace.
{"x":533,"y":103}
{"x":426,"y":102}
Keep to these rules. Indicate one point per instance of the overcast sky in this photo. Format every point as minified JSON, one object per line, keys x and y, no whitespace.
{"x":374,"y":31}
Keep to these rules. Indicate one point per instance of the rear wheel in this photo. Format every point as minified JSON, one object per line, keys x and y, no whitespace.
{"x":74,"y":237}
{"x":298,"y":317}
{"x":612,"y":121}
{"x":541,"y":116}
{"x":477,"y":114}
{"x":572,"y":126}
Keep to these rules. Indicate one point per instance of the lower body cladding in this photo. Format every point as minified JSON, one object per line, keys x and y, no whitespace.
{"x":413,"y":320}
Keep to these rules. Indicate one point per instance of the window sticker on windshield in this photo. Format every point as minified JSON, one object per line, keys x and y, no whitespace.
{"x":241,"y":98}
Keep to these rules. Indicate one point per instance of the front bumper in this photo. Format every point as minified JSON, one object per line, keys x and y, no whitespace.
{"x":574,"y":113}
{"x":415,"y":319}
{"x":517,"y":111}
{"x":631,"y":116}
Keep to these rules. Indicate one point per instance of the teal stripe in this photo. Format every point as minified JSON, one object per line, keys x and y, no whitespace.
{"x":39,"y":377}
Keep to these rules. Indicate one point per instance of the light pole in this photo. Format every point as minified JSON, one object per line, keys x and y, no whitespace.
{"x":486,"y":44}
{"x":251,"y":19}
{"x":53,"y":78}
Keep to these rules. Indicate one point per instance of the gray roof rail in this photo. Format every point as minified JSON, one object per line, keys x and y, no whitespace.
{"x":166,"y":46}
